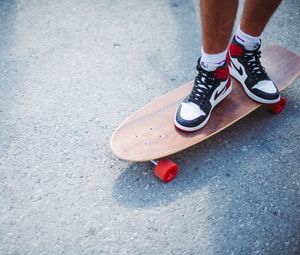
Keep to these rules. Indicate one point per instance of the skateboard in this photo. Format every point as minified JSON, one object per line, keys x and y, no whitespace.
{"x":149,"y":134}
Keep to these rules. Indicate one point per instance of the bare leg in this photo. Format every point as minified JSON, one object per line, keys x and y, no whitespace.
{"x":212,"y":83}
{"x":217,"y":19}
{"x":256,"y":15}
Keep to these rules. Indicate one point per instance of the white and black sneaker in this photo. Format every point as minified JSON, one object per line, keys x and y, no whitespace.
{"x":245,"y":66}
{"x":210,"y":88}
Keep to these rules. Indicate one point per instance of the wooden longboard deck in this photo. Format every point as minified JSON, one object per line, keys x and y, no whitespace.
{"x":150,"y":133}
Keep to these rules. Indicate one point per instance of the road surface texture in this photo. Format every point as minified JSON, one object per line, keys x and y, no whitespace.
{"x":70,"y":72}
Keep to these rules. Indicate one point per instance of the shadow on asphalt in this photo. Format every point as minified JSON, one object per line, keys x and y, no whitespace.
{"x":226,"y":161}
{"x":245,"y":178}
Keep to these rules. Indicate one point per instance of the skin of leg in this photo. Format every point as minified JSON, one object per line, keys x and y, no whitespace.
{"x":256,"y":15}
{"x":217,"y":18}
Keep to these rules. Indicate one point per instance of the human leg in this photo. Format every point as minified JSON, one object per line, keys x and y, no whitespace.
{"x":256,"y":15}
{"x":217,"y":18}
{"x":212,"y":84}
{"x":245,"y":52}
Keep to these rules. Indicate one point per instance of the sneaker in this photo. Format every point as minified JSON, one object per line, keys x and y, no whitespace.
{"x":245,"y":66}
{"x":210,"y":88}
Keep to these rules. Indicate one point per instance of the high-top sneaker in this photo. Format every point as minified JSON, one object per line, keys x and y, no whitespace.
{"x":210,"y":88}
{"x":245,"y":66}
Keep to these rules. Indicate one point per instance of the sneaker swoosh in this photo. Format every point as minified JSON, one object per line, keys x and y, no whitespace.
{"x":240,"y":70}
{"x":218,"y":93}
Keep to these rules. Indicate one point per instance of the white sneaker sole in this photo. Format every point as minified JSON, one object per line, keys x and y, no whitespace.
{"x":215,"y":103}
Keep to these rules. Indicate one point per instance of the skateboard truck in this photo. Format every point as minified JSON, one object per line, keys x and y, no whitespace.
{"x":165,"y":169}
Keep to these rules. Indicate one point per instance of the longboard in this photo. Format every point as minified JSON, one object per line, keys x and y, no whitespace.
{"x":150,"y":133}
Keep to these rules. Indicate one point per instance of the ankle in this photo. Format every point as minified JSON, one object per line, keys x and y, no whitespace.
{"x":248,"y":41}
{"x":210,"y":62}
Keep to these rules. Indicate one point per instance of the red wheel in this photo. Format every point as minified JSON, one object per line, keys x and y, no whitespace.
{"x":166,"y":170}
{"x":277,"y":107}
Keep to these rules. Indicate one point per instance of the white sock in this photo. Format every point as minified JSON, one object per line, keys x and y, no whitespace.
{"x":211,"y":62}
{"x":248,"y":41}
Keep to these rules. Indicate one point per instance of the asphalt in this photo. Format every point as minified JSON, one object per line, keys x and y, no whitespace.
{"x":70,"y":72}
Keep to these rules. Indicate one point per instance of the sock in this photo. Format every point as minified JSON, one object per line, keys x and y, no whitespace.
{"x":248,"y":41}
{"x":210,"y":62}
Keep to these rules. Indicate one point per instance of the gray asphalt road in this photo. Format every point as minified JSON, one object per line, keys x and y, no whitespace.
{"x":70,"y":72}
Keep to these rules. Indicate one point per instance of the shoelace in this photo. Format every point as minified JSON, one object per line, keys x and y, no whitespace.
{"x":204,"y":81}
{"x":258,"y":72}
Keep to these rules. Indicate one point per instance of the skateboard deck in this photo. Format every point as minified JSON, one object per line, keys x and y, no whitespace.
{"x":150,"y":132}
